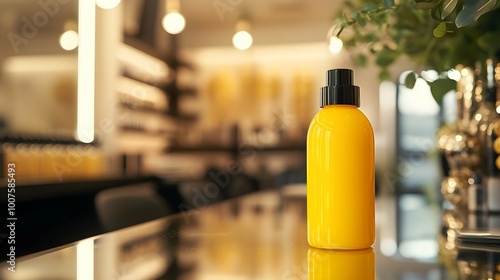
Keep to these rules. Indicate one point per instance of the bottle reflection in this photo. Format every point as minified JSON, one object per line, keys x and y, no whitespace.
{"x":341,"y":264}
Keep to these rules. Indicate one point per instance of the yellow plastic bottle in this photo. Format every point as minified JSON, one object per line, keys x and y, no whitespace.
{"x":341,"y":264}
{"x":340,"y":169}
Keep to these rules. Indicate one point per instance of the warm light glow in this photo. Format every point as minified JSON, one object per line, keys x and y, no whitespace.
{"x":173,"y":23}
{"x":388,"y":247}
{"x":86,"y":72}
{"x":85,"y":258}
{"x":335,"y":45}
{"x":242,"y":40}
{"x":430,"y":75}
{"x":107,"y":4}
{"x":469,"y":87}
{"x":69,"y":40}
{"x":452,"y":184}
{"x":454,"y":75}
{"x":419,"y":249}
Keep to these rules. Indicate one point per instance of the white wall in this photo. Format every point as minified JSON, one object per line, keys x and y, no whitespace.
{"x":311,"y":59}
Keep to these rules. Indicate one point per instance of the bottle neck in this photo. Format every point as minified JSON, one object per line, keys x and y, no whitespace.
{"x":332,"y":106}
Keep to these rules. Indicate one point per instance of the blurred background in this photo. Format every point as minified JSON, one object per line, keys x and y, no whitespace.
{"x":177,"y":94}
{"x":166,"y":104}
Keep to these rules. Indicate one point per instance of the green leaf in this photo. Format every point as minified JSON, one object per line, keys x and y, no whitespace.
{"x":369,"y":7}
{"x":388,"y":4}
{"x":472,"y":10}
{"x":447,"y":6}
{"x":386,"y":57}
{"x":355,"y":16}
{"x":372,"y":37}
{"x":436,"y":13}
{"x":440,"y":30}
{"x":410,"y":80}
{"x":361,"y":60}
{"x":441,"y":87}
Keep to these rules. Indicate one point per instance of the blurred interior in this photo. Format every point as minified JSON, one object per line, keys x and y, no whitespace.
{"x":169,"y":105}
{"x":157,"y":117}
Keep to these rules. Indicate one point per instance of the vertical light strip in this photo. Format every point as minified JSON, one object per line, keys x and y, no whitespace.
{"x":86,"y":71}
{"x":85,"y":256}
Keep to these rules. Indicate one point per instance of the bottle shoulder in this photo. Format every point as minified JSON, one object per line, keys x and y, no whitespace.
{"x":336,"y":115}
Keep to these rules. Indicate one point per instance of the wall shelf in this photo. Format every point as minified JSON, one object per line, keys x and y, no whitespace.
{"x":146,"y":132}
{"x":159,"y":85}
{"x":214,"y":148}
{"x":143,"y":109}
{"x":142,"y":46}
{"x":31,"y":139}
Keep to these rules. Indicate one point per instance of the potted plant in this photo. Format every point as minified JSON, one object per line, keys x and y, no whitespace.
{"x":436,"y":34}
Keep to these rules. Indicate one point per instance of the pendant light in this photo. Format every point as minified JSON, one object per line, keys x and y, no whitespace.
{"x":242,"y":39}
{"x":69,"y":38}
{"x":173,"y":21}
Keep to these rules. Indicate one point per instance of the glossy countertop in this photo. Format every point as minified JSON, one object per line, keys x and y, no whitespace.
{"x":256,"y":236}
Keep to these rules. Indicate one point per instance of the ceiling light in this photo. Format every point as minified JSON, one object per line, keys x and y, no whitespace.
{"x":173,"y":21}
{"x":107,"y":4}
{"x":335,"y":45}
{"x":242,"y":39}
{"x":69,"y":40}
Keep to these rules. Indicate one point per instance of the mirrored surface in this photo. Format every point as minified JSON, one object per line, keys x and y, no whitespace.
{"x":256,"y":236}
{"x":38,"y":68}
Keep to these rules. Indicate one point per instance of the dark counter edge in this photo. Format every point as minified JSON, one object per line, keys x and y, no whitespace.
{"x":32,"y":190}
{"x":53,"y":214}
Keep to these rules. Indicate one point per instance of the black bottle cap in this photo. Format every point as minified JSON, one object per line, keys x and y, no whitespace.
{"x":339,"y":88}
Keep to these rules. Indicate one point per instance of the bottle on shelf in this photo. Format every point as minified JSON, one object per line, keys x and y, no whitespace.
{"x":53,"y":161}
{"x":460,"y":146}
{"x":486,"y":117}
{"x":489,"y":140}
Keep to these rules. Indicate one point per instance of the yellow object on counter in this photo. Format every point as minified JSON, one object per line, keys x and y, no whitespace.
{"x":340,"y":170}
